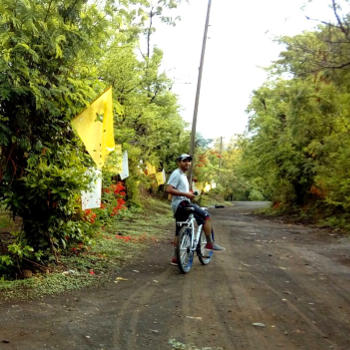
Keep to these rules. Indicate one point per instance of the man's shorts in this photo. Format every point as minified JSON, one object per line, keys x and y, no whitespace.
{"x":200,"y":214}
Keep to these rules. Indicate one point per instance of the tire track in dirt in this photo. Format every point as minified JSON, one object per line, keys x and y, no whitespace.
{"x":261,"y":275}
{"x":294,"y":308}
{"x":305,"y":297}
{"x":247,"y":309}
{"x":200,"y":300}
{"x":250,"y":311}
{"x":281,"y":275}
{"x":133,"y":322}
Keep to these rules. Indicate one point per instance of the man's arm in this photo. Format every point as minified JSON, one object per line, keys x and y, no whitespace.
{"x":173,"y":191}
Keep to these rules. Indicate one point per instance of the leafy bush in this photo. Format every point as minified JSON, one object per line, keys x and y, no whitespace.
{"x":46,"y":53}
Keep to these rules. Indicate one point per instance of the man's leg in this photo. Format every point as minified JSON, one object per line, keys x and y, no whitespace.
{"x":178,"y":217}
{"x":202,"y":216}
{"x":173,"y":260}
{"x":207,"y":228}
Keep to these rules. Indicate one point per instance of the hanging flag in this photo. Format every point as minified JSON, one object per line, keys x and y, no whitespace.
{"x":207,"y":188}
{"x":151,"y":169}
{"x":95,"y":127}
{"x":113,"y":163}
{"x":160,"y":177}
{"x":125,"y":166}
{"x":92,"y":198}
{"x":140,"y":167}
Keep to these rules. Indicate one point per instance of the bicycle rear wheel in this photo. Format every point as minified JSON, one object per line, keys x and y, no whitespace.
{"x":183,"y":250}
{"x":204,"y":255}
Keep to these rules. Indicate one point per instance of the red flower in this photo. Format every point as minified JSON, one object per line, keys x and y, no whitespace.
{"x":90,"y":216}
{"x":121,"y":202}
{"x":124,"y":238}
{"x":119,"y":187}
{"x":114,"y":211}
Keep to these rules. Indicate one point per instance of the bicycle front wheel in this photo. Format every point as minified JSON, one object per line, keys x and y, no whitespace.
{"x":183,"y":251}
{"x":204,"y":255}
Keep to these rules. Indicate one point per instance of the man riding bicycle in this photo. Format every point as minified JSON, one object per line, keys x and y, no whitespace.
{"x":179,"y":188}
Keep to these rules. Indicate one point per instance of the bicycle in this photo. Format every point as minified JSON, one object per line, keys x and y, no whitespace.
{"x":191,"y":240}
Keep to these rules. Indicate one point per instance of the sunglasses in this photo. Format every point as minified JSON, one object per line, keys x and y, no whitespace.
{"x":187,"y":160}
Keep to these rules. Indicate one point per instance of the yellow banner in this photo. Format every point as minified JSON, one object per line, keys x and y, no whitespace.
{"x":151,"y":169}
{"x":160,"y":177}
{"x":114,"y":162}
{"x":95,"y":127}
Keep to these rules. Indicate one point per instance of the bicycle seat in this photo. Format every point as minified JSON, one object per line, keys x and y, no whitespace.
{"x":189,"y":210}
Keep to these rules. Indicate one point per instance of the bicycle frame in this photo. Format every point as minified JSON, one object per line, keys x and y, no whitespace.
{"x":195,"y":234}
{"x":189,"y":243}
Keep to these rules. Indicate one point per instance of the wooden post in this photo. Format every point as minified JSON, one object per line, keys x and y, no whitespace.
{"x":194,"y":122}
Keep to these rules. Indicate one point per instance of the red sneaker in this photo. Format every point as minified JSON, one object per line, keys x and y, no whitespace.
{"x":174,"y":261}
{"x":214,"y":246}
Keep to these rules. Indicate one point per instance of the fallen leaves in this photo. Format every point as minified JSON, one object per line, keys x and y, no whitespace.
{"x":141,"y":239}
{"x":258,"y":324}
{"x":118,"y":279}
{"x":194,"y":318}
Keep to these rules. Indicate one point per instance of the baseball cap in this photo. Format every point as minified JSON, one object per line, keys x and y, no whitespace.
{"x":184,"y":156}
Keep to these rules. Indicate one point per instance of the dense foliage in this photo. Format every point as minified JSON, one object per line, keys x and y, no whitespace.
{"x":298,"y":146}
{"x":55,"y":57}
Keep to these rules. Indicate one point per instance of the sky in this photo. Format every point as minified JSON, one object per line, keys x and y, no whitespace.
{"x":240,"y":43}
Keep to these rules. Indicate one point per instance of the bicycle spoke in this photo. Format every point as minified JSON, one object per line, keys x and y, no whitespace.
{"x":204,"y":255}
{"x":185,"y":243}
{"x":185,"y":253}
{"x":184,"y":249}
{"x":184,"y":257}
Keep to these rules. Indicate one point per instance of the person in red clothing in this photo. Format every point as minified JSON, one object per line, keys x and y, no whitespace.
{"x":179,"y":188}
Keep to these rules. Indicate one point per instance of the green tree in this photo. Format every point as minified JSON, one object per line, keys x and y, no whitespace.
{"x":47,"y":55}
{"x":323,"y":50}
{"x":148,"y":120}
{"x":298,"y":128}
{"x":55,"y":57}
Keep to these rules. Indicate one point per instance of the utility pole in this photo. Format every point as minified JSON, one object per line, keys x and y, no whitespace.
{"x":194,"y":122}
{"x":220,"y":152}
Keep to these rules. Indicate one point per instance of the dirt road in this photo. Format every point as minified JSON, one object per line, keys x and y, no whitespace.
{"x":276,"y":286}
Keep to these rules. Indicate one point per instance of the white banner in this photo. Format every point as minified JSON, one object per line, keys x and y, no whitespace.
{"x":92,"y":199}
{"x":125,"y":172}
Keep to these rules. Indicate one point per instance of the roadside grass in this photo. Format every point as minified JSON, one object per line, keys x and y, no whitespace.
{"x":115,"y":245}
{"x":315,"y":215}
